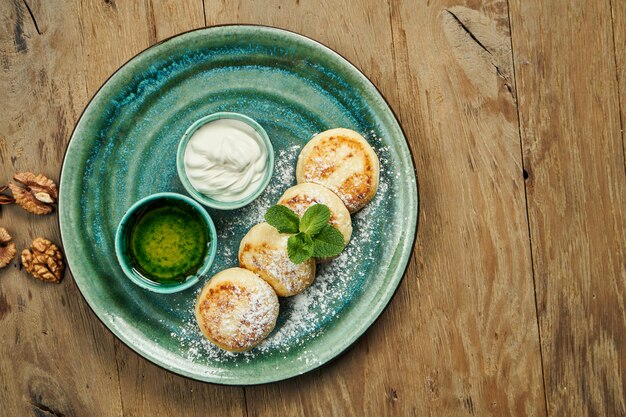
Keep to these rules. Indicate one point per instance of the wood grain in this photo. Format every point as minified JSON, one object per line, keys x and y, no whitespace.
{"x":471,"y":346}
{"x":618,"y":20}
{"x":172,"y":17}
{"x":473,"y":305}
{"x":334,"y":390}
{"x":573,"y":152}
{"x":56,"y":357}
{"x":494,"y":253}
{"x":145,"y":389}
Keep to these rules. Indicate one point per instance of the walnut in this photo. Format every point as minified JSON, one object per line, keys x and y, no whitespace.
{"x":35,"y":193}
{"x":44,"y":260}
{"x":7,"y":248}
{"x":5,"y":199}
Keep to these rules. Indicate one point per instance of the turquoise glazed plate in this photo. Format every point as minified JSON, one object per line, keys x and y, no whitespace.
{"x":124,"y":148}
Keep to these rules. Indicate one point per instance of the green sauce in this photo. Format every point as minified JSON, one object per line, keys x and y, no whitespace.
{"x":168,"y":242}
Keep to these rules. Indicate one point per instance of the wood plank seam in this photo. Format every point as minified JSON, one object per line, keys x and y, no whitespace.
{"x":119,"y":380}
{"x":393,"y":57}
{"x":245,"y":396}
{"x":151,"y":22}
{"x":619,"y":93}
{"x":204,"y":12}
{"x":476,"y":72}
{"x":530,"y":238}
{"x":43,"y":84}
{"x":80,"y":12}
{"x":575,"y":204}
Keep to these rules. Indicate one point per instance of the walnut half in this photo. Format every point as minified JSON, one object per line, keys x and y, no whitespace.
{"x":34,"y":193}
{"x":44,"y":260}
{"x":7,"y":248}
{"x":5,"y":199}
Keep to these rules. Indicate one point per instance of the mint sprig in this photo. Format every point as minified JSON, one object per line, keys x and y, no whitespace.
{"x":300,"y":247}
{"x":328,"y":242}
{"x":312,"y":236}
{"x":283,"y":219}
{"x":314,"y":219}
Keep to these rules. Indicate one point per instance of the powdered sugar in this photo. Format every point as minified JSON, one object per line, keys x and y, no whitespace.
{"x":304,"y":316}
{"x":285,"y":271}
{"x":258,"y":315}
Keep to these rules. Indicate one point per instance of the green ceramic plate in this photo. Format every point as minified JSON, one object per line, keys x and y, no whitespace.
{"x":124,"y":148}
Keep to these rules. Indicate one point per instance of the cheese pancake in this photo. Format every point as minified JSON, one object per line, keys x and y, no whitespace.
{"x":264,"y":251}
{"x":302,"y":196}
{"x":342,"y":161}
{"x":236,"y":309}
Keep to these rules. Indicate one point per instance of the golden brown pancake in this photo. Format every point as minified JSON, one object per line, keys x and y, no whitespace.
{"x":264,"y":251}
{"x":236,"y":309}
{"x":342,"y":161}
{"x":302,"y":196}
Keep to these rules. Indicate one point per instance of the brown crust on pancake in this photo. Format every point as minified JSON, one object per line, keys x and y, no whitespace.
{"x":264,"y":251}
{"x":301,"y":200}
{"x":341,"y":160}
{"x":236,"y":310}
{"x":302,"y":196}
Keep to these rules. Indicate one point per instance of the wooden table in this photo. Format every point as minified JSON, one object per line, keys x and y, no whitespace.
{"x":514,"y":302}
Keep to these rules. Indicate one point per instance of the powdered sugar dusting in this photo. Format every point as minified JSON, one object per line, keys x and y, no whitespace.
{"x":285,"y":271}
{"x":306,"y":315}
{"x":259,"y":314}
{"x":239,"y":316}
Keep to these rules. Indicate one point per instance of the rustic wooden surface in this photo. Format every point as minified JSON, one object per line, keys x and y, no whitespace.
{"x":515,"y":301}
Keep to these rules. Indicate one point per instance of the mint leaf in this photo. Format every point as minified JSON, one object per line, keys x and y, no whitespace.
{"x":314,"y":219}
{"x":299,"y":248}
{"x":313,"y":237}
{"x":282,"y":218}
{"x":328,"y":242}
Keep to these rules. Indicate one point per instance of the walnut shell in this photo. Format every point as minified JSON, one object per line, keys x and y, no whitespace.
{"x":44,"y":260}
{"x":34,"y":193}
{"x":7,"y":248}
{"x":5,"y":199}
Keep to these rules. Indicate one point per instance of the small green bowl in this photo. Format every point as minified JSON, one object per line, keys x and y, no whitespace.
{"x":209,"y":201}
{"x":122,"y":251}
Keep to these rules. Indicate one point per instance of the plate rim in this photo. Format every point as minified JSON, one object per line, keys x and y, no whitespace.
{"x":405,"y":258}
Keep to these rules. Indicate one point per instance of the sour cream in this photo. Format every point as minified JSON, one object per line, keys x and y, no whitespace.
{"x":226,"y":160}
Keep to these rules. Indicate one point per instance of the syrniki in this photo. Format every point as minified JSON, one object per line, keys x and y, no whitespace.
{"x":342,"y":161}
{"x":264,"y":251}
{"x":236,"y":309}
{"x":302,"y":196}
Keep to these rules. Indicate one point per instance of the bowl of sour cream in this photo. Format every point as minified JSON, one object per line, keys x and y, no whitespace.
{"x":225,"y":160}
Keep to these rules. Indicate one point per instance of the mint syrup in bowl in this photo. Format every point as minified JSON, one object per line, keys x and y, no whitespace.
{"x":165,"y":242}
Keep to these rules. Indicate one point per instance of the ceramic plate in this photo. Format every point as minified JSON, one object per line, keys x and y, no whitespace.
{"x":124,"y":148}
